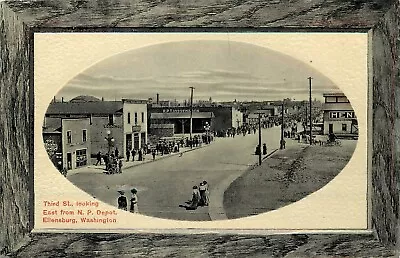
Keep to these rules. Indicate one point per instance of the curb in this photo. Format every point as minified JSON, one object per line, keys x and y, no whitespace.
{"x":270,"y":154}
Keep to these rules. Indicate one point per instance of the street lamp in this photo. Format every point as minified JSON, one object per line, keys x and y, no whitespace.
{"x":110,"y":140}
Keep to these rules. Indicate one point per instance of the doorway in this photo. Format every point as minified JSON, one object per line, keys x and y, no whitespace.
{"x":69,"y":161}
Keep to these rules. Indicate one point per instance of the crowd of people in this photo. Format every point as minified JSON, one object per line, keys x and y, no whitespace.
{"x":112,"y":161}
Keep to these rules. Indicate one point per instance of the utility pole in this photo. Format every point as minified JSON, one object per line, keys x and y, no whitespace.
{"x":259,"y":138}
{"x":305,"y":120}
{"x":191,"y":115}
{"x":283,"y":109}
{"x":310,"y":81}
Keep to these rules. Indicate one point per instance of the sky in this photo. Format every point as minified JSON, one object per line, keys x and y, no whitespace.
{"x":223,"y":70}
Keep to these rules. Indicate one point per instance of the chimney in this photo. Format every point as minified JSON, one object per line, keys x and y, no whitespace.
{"x":158,"y":99}
{"x":54,"y":99}
{"x":62,"y":99}
{"x":102,"y":98}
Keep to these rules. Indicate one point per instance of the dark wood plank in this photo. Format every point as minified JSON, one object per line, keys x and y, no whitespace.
{"x":156,"y":245}
{"x":16,"y":175}
{"x":386,"y":130}
{"x":203,"y":13}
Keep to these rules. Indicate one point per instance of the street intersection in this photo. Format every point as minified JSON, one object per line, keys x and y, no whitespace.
{"x":165,"y":184}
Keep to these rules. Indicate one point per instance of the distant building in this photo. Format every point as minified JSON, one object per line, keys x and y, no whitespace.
{"x":218,"y":117}
{"x":135,"y":123}
{"x":339,"y":117}
{"x":267,"y":115}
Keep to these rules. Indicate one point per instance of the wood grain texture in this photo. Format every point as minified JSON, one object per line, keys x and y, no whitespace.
{"x":20,"y":18}
{"x":386,"y":94}
{"x":203,"y":13}
{"x":143,"y":245}
{"x":16,"y":184}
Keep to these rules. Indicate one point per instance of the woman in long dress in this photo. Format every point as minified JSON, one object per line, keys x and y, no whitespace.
{"x":206,"y":193}
{"x":195,"y":198}
{"x":134,"y":200}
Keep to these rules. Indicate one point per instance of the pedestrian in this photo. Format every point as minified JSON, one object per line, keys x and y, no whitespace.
{"x":106,"y":160}
{"x":283,"y":143}
{"x":134,"y":200}
{"x":133,"y":152}
{"x":128,"y":154}
{"x":122,"y":202}
{"x":206,"y":193}
{"x":140,"y":154}
{"x":202,"y":190}
{"x":195,"y":198}
{"x":120,"y":166}
{"x":98,"y":157}
{"x":264,"y":149}
{"x":116,"y":153}
{"x":153,"y":153}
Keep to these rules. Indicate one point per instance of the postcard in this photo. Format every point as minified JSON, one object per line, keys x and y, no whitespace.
{"x":211,"y":131}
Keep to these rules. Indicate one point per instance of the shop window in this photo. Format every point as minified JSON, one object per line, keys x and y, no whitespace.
{"x":342,"y":100}
{"x":69,"y":137}
{"x":330,"y":99}
{"x":136,"y":118}
{"x":81,"y":158}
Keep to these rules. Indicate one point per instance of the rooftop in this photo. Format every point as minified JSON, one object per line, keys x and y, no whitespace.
{"x":84,"y":108}
{"x":135,"y":101}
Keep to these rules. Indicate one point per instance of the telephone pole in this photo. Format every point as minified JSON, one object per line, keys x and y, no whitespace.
{"x":281,"y":142}
{"x":310,"y":81}
{"x":259,"y":139}
{"x":191,"y":115}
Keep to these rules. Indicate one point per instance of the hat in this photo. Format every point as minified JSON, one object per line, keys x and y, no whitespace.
{"x":121,"y":192}
{"x":133,"y":190}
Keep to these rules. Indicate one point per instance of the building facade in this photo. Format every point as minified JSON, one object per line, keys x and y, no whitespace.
{"x":135,"y":124}
{"x":217,"y":117}
{"x":105,"y":120}
{"x":339,"y":117}
{"x":76,"y":142}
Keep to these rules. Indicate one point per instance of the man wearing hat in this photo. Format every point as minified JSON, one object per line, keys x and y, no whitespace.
{"x":122,"y":202}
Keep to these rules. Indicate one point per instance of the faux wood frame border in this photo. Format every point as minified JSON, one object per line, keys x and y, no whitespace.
{"x":19,"y":19}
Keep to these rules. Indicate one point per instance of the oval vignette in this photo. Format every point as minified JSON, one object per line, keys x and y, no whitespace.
{"x":189,"y":112}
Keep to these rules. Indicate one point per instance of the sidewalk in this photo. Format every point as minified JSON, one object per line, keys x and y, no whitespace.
{"x":129,"y":164}
{"x":286,"y":177}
